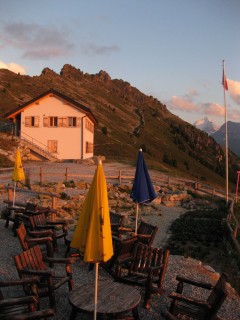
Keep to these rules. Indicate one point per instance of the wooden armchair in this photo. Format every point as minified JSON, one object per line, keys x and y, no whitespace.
{"x":31,"y":263}
{"x":23,"y":306}
{"x":198,"y":309}
{"x":14,"y":214}
{"x":40,"y":222}
{"x":146,"y":232}
{"x":28,"y":239}
{"x":123,"y":249}
{"x":147,"y":268}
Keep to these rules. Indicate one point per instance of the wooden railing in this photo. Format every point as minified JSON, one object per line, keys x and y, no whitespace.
{"x":120,"y":176}
{"x":9,"y":189}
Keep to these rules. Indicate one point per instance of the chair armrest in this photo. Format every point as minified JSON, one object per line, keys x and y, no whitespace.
{"x":125,"y":229}
{"x":180,"y":297}
{"x":46,"y":273}
{"x":18,"y":301}
{"x":20,"y":282}
{"x":45,"y":227}
{"x":54,"y":223}
{"x":145,"y":236}
{"x":39,"y":240}
{"x":41,"y":233}
{"x":205,"y":285}
{"x":58,"y":260}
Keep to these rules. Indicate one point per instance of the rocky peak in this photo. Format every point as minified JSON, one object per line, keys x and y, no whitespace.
{"x":71,"y":72}
{"x":48,"y":72}
{"x":102,"y":76}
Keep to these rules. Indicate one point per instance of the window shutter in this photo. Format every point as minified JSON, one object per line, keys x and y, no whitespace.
{"x":46,"y":121}
{"x":36,"y":121}
{"x":27,"y":121}
{"x":78,"y":122}
{"x":60,"y":122}
{"x":65,"y":123}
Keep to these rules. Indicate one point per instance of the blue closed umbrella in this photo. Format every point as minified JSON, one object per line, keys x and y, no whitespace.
{"x":142,"y":190}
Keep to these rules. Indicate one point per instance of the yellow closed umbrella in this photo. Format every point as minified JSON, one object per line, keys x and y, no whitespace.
{"x":18,"y":172}
{"x":93,"y":236}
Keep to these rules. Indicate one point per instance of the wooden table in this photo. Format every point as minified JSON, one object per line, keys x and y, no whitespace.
{"x":113,"y":299}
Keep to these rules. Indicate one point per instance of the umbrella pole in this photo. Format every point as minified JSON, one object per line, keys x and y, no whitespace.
{"x":96,"y":291}
{"x":136,"y":222}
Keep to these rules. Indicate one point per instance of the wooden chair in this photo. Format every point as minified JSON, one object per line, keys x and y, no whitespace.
{"x":197,"y":309}
{"x":147,"y":268}
{"x":31,"y":263}
{"x":14,"y":214}
{"x":117,"y":221}
{"x":146,"y":232}
{"x":123,"y":249}
{"x":22,"y":306}
{"x":31,"y":238}
{"x":40,"y":222}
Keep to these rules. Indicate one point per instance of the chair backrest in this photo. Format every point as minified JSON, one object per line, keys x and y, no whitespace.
{"x":125,"y":248}
{"x":30,"y":259}
{"x":144,"y":257}
{"x":218,"y":295}
{"x":22,"y":234}
{"x":116,"y":221}
{"x":31,"y":207}
{"x":38,"y":220}
{"x":148,"y":229}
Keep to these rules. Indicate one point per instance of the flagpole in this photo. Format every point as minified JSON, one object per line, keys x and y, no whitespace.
{"x":226,"y":129}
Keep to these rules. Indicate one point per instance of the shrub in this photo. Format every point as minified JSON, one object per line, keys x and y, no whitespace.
{"x":104,"y":130}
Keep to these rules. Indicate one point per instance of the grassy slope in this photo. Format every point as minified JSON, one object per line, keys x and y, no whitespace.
{"x":114,"y":103}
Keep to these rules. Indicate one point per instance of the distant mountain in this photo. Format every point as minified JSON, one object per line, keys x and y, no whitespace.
{"x":206,"y":125}
{"x":233,"y":136}
{"x":127,"y":120}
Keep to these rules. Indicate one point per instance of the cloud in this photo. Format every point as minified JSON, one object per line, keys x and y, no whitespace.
{"x":212,"y":109}
{"x":92,"y":49}
{"x":234,"y":90}
{"x":37,"y":41}
{"x":192,"y":93}
{"x":17,"y":68}
{"x":182,"y":103}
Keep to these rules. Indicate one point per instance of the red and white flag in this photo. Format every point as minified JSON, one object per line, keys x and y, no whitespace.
{"x":224,"y":81}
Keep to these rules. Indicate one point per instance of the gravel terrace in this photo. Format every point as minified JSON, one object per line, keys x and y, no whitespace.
{"x":178,"y":265}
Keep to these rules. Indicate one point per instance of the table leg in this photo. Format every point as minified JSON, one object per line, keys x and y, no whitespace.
{"x":135,"y":313}
{"x":67,"y":250}
{"x":73,"y":313}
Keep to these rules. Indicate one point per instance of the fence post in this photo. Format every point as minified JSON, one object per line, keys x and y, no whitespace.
{"x":120,"y":176}
{"x":10,"y":196}
{"x":54,"y":201}
{"x":40,"y":175}
{"x":66,"y":175}
{"x":168,"y":182}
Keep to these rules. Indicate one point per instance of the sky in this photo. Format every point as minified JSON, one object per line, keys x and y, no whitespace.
{"x":172,"y":50}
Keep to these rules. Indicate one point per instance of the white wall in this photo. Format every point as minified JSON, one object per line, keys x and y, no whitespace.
{"x":69,"y":139}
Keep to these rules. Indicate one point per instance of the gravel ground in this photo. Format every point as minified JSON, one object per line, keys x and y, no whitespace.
{"x":177,"y":266}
